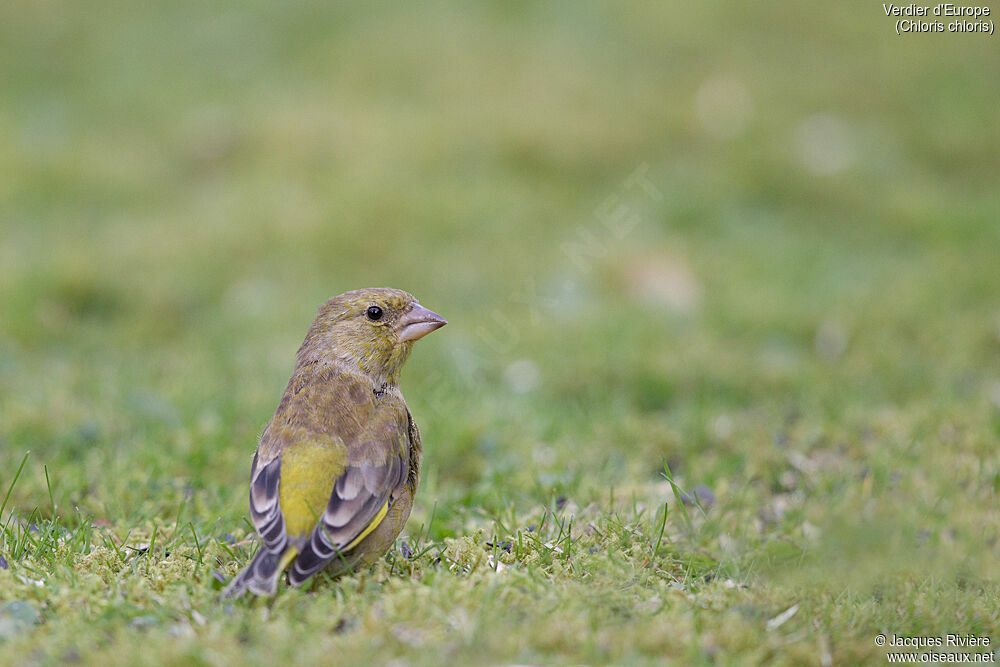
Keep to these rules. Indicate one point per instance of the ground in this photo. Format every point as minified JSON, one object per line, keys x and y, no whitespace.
{"x":721,"y":380}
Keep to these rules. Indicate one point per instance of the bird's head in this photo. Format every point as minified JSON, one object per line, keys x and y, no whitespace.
{"x":372,"y":328}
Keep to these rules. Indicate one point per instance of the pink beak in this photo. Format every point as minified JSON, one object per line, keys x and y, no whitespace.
{"x":417,"y":322}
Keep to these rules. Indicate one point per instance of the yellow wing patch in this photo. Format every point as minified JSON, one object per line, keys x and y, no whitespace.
{"x":372,"y":525}
{"x":287,"y":558}
{"x":308,"y":472}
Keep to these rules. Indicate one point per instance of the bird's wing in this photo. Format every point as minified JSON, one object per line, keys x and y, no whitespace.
{"x":378,"y":463}
{"x":265,"y":510}
{"x":261,"y":575}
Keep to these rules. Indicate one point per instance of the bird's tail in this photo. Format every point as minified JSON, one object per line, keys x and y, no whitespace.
{"x":261,"y":576}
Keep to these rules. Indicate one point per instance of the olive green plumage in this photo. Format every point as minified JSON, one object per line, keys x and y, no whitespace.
{"x":336,"y":468}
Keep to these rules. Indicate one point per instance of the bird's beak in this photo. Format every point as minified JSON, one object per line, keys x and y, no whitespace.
{"x":417,"y":322}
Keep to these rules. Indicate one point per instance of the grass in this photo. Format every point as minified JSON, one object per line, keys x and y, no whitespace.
{"x":739,"y":255}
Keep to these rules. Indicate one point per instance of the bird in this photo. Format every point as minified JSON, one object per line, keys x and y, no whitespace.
{"x":337,"y":466}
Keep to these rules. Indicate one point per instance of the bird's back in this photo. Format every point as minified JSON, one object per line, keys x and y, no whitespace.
{"x":329,"y":419}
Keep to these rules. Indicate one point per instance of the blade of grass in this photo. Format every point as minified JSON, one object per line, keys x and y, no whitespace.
{"x":10,"y":488}
{"x":197,"y":545}
{"x":110,"y":541}
{"x":659,"y":536}
{"x":679,"y":495}
{"x":52,"y":499}
{"x":152,"y":544}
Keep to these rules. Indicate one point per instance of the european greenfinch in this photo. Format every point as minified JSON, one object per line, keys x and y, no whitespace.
{"x":336,"y":468}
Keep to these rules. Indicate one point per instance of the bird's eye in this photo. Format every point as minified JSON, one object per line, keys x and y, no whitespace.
{"x":374,"y":313}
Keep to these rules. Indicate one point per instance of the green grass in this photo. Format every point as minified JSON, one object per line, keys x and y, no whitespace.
{"x":784,"y":294}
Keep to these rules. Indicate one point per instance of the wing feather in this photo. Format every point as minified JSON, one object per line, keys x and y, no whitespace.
{"x":261,"y":574}
{"x":358,"y":503}
{"x":265,"y":510}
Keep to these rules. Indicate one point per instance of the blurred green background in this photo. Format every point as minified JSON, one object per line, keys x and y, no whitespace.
{"x":759,"y":242}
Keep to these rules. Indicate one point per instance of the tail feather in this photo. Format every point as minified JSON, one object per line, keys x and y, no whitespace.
{"x":261,"y":576}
